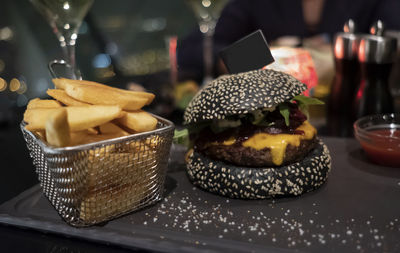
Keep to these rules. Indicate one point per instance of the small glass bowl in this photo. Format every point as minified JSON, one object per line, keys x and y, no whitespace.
{"x":379,"y":136}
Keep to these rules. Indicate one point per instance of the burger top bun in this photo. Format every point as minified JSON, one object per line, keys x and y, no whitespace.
{"x":242,"y":93}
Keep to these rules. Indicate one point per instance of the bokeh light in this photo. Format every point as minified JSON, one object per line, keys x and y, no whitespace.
{"x":22,"y":89}
{"x":6,"y":33}
{"x":3,"y":84}
{"x":206,"y":3}
{"x":15,"y":85}
{"x":101,"y":61}
{"x":66,"y":6}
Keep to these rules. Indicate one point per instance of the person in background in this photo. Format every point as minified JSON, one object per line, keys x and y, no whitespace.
{"x":286,"y":22}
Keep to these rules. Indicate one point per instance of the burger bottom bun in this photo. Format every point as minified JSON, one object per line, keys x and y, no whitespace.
{"x":260,"y":183}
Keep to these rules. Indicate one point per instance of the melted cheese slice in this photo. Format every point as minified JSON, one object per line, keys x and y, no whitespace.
{"x":277,"y":143}
{"x":227,"y":142}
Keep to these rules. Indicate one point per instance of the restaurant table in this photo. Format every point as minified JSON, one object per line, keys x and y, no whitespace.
{"x":356,"y":210}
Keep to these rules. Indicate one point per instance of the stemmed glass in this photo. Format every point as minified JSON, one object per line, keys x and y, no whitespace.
{"x":207,"y":13}
{"x":65,"y":17}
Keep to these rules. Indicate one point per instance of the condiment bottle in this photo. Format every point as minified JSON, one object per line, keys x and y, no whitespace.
{"x":347,"y":76}
{"x":376,"y":55}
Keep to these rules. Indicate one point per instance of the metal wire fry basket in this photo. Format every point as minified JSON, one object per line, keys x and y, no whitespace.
{"x":97,"y":182}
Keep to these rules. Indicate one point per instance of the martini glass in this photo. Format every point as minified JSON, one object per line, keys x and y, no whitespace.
{"x":65,"y":18}
{"x":207,"y":13}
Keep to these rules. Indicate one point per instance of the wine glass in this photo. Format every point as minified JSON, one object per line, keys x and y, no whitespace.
{"x":207,"y":13}
{"x":65,"y":17}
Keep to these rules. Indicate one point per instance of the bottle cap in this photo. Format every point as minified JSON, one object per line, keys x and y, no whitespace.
{"x":377,"y":48}
{"x":345,"y":44}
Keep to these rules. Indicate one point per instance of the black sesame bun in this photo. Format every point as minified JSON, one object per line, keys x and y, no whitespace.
{"x":260,"y":183}
{"x":242,"y":93}
{"x":252,"y":140}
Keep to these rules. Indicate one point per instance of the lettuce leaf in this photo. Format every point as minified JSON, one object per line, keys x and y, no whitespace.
{"x":181,"y":137}
{"x":307,"y":100}
{"x":257,"y":118}
{"x":284,"y":110}
{"x":303,"y":102}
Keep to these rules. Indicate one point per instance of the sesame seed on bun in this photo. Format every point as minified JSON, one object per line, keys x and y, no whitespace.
{"x":242,"y":93}
{"x":260,"y":183}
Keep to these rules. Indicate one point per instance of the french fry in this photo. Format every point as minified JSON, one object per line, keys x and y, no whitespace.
{"x":84,"y":137}
{"x":111,"y":128}
{"x":143,"y":147}
{"x":93,"y":113}
{"x":59,"y":83}
{"x":139,"y":121}
{"x":102,"y":96}
{"x":43,"y":103}
{"x":153,"y":142}
{"x":121,"y":172}
{"x":41,"y":134}
{"x":57,"y":128}
{"x":63,"y":97}
{"x":129,"y":194}
{"x":80,"y":137}
{"x":79,"y":117}
{"x":62,"y":83}
{"x":36,"y":118}
{"x":92,"y":130}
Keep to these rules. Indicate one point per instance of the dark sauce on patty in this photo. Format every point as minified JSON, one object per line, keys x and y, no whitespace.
{"x":246,"y":130}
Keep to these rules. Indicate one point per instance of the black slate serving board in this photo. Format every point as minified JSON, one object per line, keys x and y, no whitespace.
{"x":358,"y":209}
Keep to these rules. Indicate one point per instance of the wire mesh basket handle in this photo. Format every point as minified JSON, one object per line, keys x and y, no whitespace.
{"x":69,"y":72}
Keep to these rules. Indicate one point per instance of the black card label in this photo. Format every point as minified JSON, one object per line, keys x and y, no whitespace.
{"x":249,"y":53}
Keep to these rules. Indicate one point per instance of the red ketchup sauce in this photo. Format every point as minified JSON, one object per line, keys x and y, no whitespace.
{"x":383,"y":151}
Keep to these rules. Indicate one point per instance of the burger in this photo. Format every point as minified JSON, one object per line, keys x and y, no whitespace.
{"x":250,"y":137}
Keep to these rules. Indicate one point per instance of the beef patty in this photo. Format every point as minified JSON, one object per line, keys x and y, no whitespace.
{"x":246,"y":156}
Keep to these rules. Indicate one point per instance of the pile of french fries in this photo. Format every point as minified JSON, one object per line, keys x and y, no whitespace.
{"x":84,"y":112}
